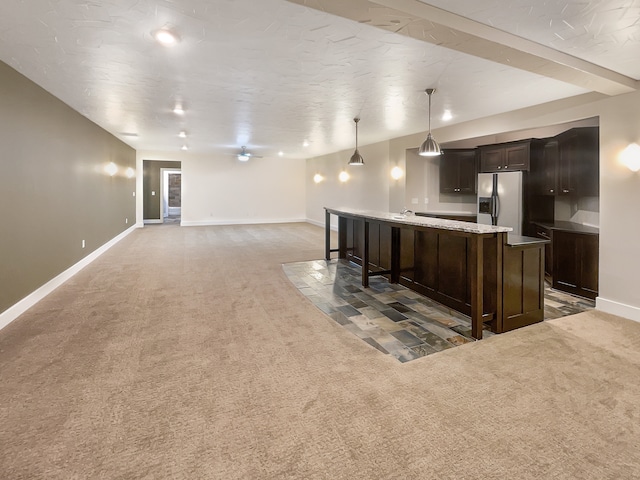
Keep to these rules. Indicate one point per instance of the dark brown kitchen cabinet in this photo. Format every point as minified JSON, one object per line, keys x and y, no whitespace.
{"x":578,"y":170}
{"x":575,"y":263}
{"x":505,"y":156}
{"x":458,"y":171}
{"x":546,"y":170}
{"x":547,"y":234}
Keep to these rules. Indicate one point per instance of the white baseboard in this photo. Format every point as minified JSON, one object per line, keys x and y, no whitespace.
{"x":617,"y":308}
{"x":321,"y":224}
{"x":258,"y":221}
{"x":153,"y":221}
{"x":34,"y":297}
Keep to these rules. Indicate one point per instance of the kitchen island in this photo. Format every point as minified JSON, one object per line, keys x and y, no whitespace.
{"x":477,"y":270}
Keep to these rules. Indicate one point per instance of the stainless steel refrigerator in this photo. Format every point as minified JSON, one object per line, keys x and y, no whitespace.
{"x":500,"y":200}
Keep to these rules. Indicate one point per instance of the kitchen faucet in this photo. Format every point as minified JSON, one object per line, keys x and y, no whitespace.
{"x":406,"y":211}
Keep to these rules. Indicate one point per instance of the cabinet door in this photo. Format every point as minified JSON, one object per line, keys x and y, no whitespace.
{"x":516,"y":157}
{"x":566,"y":261}
{"x":587,"y":162}
{"x":589,"y":266}
{"x":575,"y":267}
{"x":467,"y":172}
{"x":449,"y":167}
{"x":549,"y":169}
{"x":491,"y":160}
{"x":568,"y":152}
{"x":458,"y":172}
{"x":546,"y":233}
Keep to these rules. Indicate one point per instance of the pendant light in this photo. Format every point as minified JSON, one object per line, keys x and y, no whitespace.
{"x":429,"y":147}
{"x":356,"y":158}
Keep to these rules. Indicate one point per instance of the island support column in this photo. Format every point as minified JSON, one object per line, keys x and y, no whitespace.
{"x":342,"y":236}
{"x":477,"y":285}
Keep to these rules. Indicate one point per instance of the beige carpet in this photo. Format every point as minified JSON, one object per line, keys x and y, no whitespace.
{"x":185,"y":353}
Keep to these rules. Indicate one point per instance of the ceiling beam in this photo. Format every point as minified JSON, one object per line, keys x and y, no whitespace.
{"x":420,"y":21}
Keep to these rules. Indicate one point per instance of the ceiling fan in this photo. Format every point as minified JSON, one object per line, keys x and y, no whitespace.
{"x":244,"y":156}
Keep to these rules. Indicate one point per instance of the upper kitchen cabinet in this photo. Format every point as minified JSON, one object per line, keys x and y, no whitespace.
{"x":578,"y":169}
{"x":547,"y":176}
{"x":458,"y":171}
{"x":505,"y":156}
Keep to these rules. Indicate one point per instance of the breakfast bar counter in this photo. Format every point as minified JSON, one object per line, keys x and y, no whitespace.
{"x":477,"y":270}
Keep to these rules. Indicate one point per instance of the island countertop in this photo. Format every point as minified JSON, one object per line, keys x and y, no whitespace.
{"x":418,"y":221}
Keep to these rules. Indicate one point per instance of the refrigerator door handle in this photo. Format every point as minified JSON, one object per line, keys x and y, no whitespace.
{"x":496,"y":209}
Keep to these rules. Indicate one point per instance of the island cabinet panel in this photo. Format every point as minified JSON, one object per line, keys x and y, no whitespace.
{"x":426,"y":260}
{"x":407,"y":259}
{"x":452,"y":269}
{"x":523,"y":283}
{"x":379,"y":244}
{"x":354,"y":249}
{"x":437,"y":264}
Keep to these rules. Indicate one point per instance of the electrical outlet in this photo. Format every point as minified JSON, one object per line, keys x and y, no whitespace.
{"x":126,"y":220}
{"x":153,"y":194}
{"x":134,"y":194}
{"x":414,"y":201}
{"x":82,"y":243}
{"x":426,"y":200}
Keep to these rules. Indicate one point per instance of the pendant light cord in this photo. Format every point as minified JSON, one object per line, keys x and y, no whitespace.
{"x":430,"y":112}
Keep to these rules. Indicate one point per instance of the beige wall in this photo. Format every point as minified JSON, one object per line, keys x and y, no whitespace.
{"x":54,"y":191}
{"x":368,"y":186}
{"x":221,"y":190}
{"x":619,"y":188}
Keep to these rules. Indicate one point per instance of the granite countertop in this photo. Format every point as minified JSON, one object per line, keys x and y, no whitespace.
{"x":520,"y":241}
{"x":457,"y":214}
{"x":569,"y":227}
{"x":418,"y":221}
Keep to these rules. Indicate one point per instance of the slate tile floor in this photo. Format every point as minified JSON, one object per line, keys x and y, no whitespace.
{"x":392,"y":318}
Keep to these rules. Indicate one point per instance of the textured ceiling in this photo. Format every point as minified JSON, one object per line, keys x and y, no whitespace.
{"x":271,"y":74}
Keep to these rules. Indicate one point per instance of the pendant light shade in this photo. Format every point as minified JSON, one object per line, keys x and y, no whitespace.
{"x":356,"y":158}
{"x":429,"y":147}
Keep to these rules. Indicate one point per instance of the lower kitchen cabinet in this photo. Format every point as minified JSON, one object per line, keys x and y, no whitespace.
{"x":546,"y":234}
{"x":575,"y":263}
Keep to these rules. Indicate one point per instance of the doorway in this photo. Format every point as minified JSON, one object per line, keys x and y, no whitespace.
{"x":171,"y":200}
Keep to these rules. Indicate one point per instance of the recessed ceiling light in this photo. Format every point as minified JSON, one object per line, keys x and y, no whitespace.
{"x":166,"y":36}
{"x":305,"y":143}
{"x":280,"y":153}
{"x":446,"y":116}
{"x":185,"y":148}
{"x":178,"y":110}
{"x":182,"y":134}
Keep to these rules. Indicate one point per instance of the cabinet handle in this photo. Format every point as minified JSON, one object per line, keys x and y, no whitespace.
{"x":506,"y":166}
{"x":499,"y":167}
{"x":565,"y":191}
{"x":542,"y":234}
{"x":551,"y":191}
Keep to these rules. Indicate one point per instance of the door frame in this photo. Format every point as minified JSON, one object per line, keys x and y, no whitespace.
{"x":164,"y":174}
